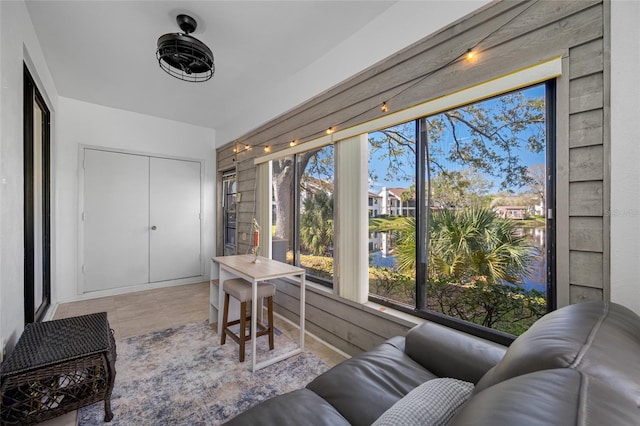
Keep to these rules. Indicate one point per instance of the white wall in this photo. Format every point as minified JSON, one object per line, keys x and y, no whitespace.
{"x":18,"y":43}
{"x":81,"y":123}
{"x":625,"y":153}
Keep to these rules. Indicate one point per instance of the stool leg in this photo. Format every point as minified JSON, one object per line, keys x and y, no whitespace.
{"x":243,"y":325}
{"x":225,"y":319}
{"x":270,"y":319}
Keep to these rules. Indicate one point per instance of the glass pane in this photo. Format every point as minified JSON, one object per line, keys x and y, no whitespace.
{"x":282,"y":209}
{"x":315,"y":210}
{"x":229,"y":212}
{"x":486,"y":197}
{"x":392,"y":209}
{"x":38,"y":209}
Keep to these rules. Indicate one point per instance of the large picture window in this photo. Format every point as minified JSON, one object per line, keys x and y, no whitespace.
{"x":302,"y":228}
{"x":463,"y":230}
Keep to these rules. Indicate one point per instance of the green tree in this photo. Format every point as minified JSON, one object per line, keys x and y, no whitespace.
{"x":316,"y":224}
{"x":318,"y":163}
{"x":484,"y":137}
{"x":475,"y":243}
{"x":460,"y":189}
{"x":476,"y":264}
{"x":402,"y":230}
{"x":463,"y":245}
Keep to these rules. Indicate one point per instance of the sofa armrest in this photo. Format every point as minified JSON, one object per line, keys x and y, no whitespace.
{"x":451,"y":353}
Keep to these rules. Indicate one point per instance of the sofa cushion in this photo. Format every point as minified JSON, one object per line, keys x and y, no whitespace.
{"x":433,"y":403}
{"x":300,"y":407}
{"x":365,"y":386}
{"x":561,"y":397}
{"x":446,"y":352}
{"x":601,"y":339}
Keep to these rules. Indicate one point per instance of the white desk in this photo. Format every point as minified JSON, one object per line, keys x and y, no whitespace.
{"x":242,"y":266}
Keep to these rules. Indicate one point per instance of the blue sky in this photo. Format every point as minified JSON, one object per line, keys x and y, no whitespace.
{"x":379,"y":167}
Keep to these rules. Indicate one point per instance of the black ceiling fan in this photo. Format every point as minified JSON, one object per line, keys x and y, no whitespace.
{"x":184,"y":56}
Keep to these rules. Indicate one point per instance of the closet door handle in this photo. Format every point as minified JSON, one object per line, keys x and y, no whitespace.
{"x":153,"y":228}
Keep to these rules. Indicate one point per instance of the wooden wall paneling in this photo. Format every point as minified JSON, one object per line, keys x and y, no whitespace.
{"x":575,"y":20}
{"x":225,"y":158}
{"x":586,"y":269}
{"x":358,"y":336}
{"x":346,"y":312}
{"x":585,"y":234}
{"x":247,"y":206}
{"x":247,"y":165}
{"x":346,"y":331}
{"x":586,"y":199}
{"x":362,"y":98}
{"x":248,"y":196}
{"x":581,"y":294}
{"x":344,"y":345}
{"x":226,"y":164}
{"x":586,"y":163}
{"x":338,"y":317}
{"x":586,"y":93}
{"x":226,"y":154}
{"x":587,"y":59}
{"x":245,"y":217}
{"x":586,"y":128}
{"x":245,"y":185}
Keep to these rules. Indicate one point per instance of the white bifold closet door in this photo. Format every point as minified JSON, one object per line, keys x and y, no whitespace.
{"x":141,"y":219}
{"x":174,"y":214}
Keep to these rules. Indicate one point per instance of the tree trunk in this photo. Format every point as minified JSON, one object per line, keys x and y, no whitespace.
{"x":283,"y":191}
{"x":282,"y":194}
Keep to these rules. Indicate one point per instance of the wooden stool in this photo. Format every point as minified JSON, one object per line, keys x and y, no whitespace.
{"x":240,"y":289}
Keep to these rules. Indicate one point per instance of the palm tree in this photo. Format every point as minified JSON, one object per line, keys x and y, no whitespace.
{"x":403,"y":234}
{"x":464,"y":245}
{"x":475,"y":243}
{"x":316,"y":224}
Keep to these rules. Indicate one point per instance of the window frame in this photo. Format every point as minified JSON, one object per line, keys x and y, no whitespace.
{"x":295,"y":207}
{"x":553,"y":69}
{"x":421,"y":223}
{"x":228,"y":177}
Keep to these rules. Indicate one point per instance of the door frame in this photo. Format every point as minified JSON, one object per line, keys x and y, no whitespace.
{"x":80,"y":222}
{"x":32,"y":94}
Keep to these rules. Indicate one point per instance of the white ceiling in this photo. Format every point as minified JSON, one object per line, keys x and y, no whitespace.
{"x":103,"y":52}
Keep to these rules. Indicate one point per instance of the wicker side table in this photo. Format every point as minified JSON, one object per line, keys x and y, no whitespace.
{"x":56,"y":367}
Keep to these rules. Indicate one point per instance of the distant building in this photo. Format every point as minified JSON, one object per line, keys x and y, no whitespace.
{"x":393,"y":205}
{"x":511,"y":212}
{"x":375,"y":204}
{"x":375,"y":210}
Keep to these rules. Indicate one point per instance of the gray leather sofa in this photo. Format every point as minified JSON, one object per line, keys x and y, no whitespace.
{"x":579,"y":365}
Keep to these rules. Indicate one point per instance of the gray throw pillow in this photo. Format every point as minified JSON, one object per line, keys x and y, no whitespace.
{"x":434,"y":402}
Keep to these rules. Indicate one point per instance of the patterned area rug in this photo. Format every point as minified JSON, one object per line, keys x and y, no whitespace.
{"x":182,"y":376}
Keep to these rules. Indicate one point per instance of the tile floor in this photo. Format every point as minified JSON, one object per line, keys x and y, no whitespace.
{"x":143,"y":312}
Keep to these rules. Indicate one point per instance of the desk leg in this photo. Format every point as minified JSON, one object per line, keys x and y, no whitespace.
{"x":254,"y":325}
{"x":302,"y":313}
